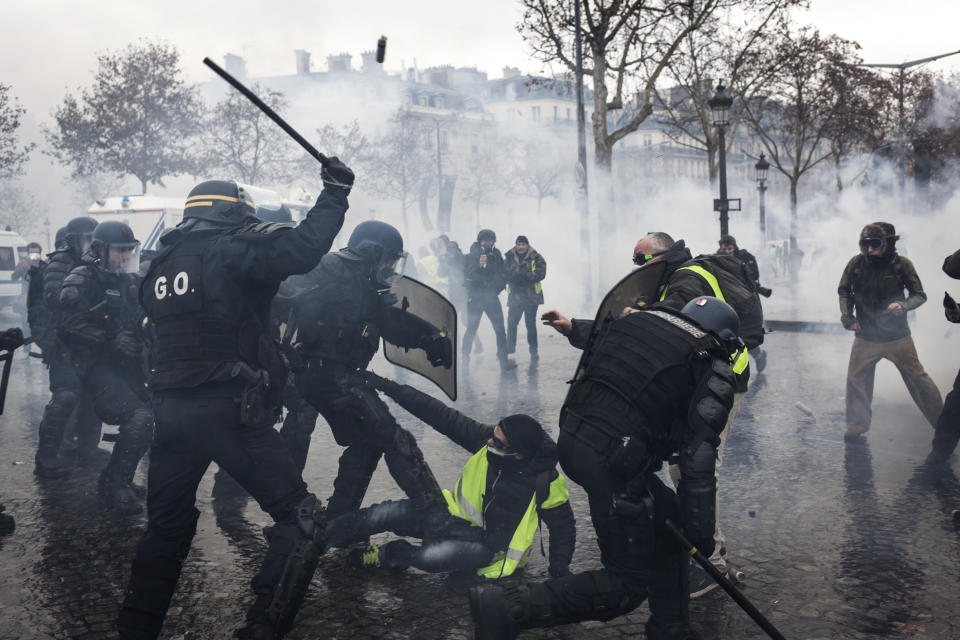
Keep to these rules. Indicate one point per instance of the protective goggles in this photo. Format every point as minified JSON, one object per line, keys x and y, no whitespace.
{"x":500,"y":446}
{"x":642,"y":258}
{"x":872,"y":243}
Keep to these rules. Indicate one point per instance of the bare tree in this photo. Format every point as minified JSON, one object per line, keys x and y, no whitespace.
{"x":400,"y":163}
{"x":243,"y":142}
{"x":484,"y":174}
{"x":18,"y":209}
{"x":539,"y":166}
{"x":729,"y":48}
{"x":794,"y":121}
{"x":12,"y":155}
{"x":138,"y":118}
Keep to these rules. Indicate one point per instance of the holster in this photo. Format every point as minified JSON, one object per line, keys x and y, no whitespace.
{"x":256,"y":407}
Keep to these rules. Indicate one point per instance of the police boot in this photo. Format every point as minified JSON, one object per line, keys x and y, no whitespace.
{"x":50,"y":468}
{"x":118,"y":495}
{"x":7,"y":524}
{"x":502,"y":612}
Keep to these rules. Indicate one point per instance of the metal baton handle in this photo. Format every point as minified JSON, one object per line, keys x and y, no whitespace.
{"x":722,"y":580}
{"x":273,"y":115}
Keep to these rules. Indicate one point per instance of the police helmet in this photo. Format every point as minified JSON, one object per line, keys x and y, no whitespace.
{"x":80,"y":233}
{"x":486,"y":234}
{"x":118,"y":237}
{"x":269,"y":213}
{"x":379,"y":244}
{"x":219,"y":201}
{"x":714,"y":315}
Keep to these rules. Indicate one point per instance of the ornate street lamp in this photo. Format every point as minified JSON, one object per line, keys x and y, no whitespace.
{"x":762,"y":168}
{"x":720,"y":105}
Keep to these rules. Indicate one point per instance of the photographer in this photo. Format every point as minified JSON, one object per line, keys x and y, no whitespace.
{"x":485,"y":278}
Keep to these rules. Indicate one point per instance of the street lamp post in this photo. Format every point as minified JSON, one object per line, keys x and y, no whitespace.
{"x":762,"y":168}
{"x":46,"y":225}
{"x":720,"y":105}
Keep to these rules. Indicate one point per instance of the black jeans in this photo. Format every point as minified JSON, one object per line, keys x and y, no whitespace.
{"x":477,"y":305}
{"x":192,"y":430}
{"x":461,"y":549}
{"x":948,"y":424}
{"x":529,"y":313}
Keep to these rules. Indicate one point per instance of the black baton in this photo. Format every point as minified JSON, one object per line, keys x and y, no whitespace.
{"x":252,"y":97}
{"x":721,"y":580}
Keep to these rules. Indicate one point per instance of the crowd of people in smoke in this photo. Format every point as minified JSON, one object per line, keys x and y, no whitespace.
{"x":195,"y":350}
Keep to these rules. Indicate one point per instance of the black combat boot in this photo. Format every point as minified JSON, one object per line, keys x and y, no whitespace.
{"x":491,"y":618}
{"x":7,"y":524}
{"x":50,"y":468}
{"x":118,"y":495}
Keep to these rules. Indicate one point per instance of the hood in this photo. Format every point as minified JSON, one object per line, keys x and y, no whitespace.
{"x":545,"y":460}
{"x":677,"y":255}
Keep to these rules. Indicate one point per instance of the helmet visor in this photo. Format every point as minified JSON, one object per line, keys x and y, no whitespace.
{"x":122,"y":258}
{"x":390,"y":268}
{"x":872,"y":243}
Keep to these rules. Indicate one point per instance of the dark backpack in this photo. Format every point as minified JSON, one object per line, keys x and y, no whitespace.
{"x":739,"y":292}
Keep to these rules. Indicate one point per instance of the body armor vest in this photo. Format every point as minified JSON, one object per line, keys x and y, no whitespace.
{"x":197,"y":326}
{"x":633,"y":350}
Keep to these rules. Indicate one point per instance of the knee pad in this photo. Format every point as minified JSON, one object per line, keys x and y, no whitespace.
{"x":62,"y":403}
{"x":404,"y":442}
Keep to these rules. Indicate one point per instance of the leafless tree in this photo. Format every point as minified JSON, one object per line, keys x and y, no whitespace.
{"x":245,"y":144}
{"x":12,"y":155}
{"x":18,"y":209}
{"x":137,"y":118}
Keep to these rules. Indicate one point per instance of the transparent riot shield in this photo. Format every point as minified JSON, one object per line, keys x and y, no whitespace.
{"x":429,"y":304}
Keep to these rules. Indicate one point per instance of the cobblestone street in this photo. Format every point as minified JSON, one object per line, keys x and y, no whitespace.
{"x":839,"y":542}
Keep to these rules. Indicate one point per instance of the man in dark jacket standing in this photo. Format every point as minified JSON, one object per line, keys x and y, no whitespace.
{"x":506,"y":488}
{"x":873,"y":306}
{"x":947,"y":432}
{"x":485,"y":278}
{"x":525,"y":269}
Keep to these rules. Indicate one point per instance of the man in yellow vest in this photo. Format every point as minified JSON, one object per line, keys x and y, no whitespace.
{"x":649,"y":384}
{"x":506,"y":487}
{"x":686,"y":278}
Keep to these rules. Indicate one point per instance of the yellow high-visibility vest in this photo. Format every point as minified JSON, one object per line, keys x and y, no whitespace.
{"x":738,"y":358}
{"x":466,"y":501}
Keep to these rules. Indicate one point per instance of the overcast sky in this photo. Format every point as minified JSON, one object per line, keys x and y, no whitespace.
{"x":47,"y":46}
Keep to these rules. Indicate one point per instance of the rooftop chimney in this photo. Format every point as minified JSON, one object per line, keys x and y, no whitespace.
{"x":303,"y":61}
{"x":511,"y":72}
{"x":339,"y":63}
{"x":235,"y":65}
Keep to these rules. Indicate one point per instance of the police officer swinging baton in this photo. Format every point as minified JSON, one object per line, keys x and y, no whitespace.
{"x":721,"y":580}
{"x":252,"y":97}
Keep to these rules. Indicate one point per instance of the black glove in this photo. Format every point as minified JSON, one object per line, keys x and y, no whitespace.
{"x":126,"y":344}
{"x":389,"y":387}
{"x":336,"y":176}
{"x":704,"y":546}
{"x":439,"y":350}
{"x":950,"y":308}
{"x":765,"y":291}
{"x":559,"y":569}
{"x":11,"y":339}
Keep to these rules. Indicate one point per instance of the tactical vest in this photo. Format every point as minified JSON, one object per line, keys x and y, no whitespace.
{"x":190,"y":340}
{"x":631,"y":353}
{"x":466,"y":501}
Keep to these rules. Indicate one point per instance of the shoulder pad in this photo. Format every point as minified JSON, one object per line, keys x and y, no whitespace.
{"x":79,"y":276}
{"x":261,"y":229}
{"x":332,"y":264}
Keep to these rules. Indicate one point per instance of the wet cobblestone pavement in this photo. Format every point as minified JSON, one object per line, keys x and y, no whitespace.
{"x":836,"y":541}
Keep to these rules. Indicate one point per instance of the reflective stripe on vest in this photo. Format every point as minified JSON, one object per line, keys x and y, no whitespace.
{"x":739,"y":358}
{"x":537,"y":288}
{"x":466,"y":501}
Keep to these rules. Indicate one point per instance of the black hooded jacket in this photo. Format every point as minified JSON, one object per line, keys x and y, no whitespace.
{"x":510,"y":482}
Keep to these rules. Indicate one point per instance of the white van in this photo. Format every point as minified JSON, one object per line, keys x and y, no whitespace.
{"x":148,"y":216}
{"x":13,"y":249}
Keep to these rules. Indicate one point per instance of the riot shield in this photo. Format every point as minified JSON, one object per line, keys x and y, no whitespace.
{"x":640,"y":287}
{"x":429,"y":304}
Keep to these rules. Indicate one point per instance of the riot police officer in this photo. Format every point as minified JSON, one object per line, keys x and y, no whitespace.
{"x":340,"y":322}
{"x":651,"y":383}
{"x":67,"y":397}
{"x":216,"y":379}
{"x":99,"y":325}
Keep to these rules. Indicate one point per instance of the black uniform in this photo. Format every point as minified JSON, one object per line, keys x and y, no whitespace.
{"x":100,"y":318}
{"x":947,"y":430}
{"x":484,"y":285}
{"x":340,"y":322}
{"x":653,"y":383}
{"x":216,"y":382}
{"x":67,"y":397}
